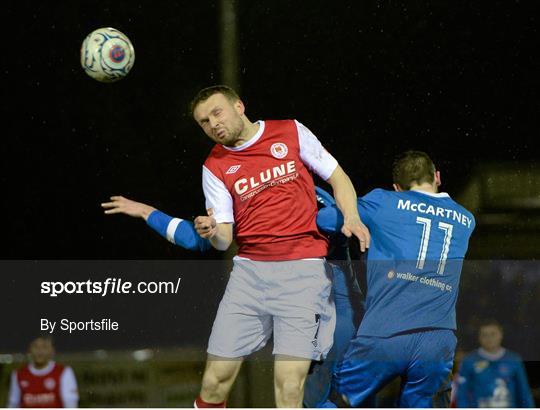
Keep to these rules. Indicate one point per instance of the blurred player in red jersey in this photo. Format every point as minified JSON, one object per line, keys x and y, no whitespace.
{"x":257,"y":178}
{"x":43,"y":383}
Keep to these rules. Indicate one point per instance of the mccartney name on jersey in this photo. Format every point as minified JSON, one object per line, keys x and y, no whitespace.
{"x":423,"y":208}
{"x":67,"y":325}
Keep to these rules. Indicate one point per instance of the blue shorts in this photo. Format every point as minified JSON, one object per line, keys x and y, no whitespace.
{"x":423,"y":359}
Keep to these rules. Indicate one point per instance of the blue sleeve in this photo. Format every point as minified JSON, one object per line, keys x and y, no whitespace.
{"x":330,"y":219}
{"x":369,"y":204}
{"x":523,"y":392}
{"x":177,"y":231}
{"x":464,"y":395}
{"x":324,"y":198}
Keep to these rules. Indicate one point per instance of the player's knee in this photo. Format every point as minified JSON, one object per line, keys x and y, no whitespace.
{"x":289,"y":391}
{"x":213,"y":382}
{"x":210,"y":384}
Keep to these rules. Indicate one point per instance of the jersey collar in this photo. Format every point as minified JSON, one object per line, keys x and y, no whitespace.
{"x":432,"y":194}
{"x":492,"y":356}
{"x":43,"y":371}
{"x":252,"y":141}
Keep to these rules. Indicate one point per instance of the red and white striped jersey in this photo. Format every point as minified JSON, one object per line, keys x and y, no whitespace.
{"x":265,"y":188}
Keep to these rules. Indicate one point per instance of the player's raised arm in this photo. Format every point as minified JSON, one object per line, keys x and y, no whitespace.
{"x":176,"y":230}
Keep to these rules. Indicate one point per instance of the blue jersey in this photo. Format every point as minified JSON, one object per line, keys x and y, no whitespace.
{"x":418,"y":242}
{"x":485,"y":381}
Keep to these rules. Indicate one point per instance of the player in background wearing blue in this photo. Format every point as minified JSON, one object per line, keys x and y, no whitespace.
{"x":492,"y":376}
{"x":419,"y":240}
{"x":348,"y":297}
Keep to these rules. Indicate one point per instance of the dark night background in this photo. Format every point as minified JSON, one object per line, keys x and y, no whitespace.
{"x":457,"y":79}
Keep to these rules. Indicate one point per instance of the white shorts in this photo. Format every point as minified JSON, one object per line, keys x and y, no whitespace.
{"x":293,"y":299}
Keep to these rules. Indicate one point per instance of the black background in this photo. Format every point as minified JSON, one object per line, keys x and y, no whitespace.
{"x":370,"y":79}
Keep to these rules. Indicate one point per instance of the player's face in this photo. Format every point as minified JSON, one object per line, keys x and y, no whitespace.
{"x":41,"y":352}
{"x":221,"y":119}
{"x":490,"y":337}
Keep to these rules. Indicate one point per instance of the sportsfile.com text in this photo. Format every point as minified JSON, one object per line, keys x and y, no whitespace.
{"x":109,"y":286}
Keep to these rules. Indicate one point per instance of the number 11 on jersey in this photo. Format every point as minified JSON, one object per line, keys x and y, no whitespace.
{"x":424,"y":243}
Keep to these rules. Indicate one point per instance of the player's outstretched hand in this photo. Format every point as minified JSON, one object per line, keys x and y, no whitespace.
{"x":121,"y":205}
{"x":354,"y":226}
{"x":206,"y":226}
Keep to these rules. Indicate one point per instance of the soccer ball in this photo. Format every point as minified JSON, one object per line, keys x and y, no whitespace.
{"x":107,"y":55}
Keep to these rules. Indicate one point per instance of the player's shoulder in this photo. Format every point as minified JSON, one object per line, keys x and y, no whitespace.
{"x":443,"y":198}
{"x":281,"y":128}
{"x":273,"y":124}
{"x":282,"y":121}
{"x":377,"y":194}
{"x":60,"y":366}
{"x":215,"y":159}
{"x":25,"y":368}
{"x":460,"y":207}
{"x":216,"y":152}
{"x":510,"y":355}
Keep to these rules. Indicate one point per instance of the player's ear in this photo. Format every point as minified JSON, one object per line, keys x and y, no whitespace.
{"x":240,"y":107}
{"x":397,"y":188}
{"x":437,"y":178}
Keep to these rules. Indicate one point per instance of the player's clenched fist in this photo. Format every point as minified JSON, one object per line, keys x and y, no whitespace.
{"x":206,"y":226}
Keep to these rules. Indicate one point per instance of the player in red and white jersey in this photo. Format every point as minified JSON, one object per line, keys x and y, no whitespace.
{"x":258,"y":179}
{"x":43,"y":382}
{"x":263,"y":193}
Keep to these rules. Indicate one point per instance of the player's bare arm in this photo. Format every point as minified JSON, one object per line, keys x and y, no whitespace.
{"x":121,"y":205}
{"x":220,"y":235}
{"x":345,"y":196}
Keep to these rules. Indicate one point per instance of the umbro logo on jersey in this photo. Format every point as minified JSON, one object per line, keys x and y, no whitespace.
{"x":233,"y":169}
